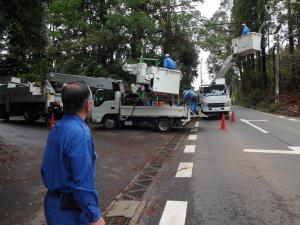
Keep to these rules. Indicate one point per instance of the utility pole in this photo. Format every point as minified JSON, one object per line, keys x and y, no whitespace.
{"x":201,"y":74}
{"x":277,"y":65}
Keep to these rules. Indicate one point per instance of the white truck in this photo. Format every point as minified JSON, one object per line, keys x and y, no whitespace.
{"x":34,"y":101}
{"x":112,"y":108}
{"x":27,"y":99}
{"x":111,"y":105}
{"x":215,"y":99}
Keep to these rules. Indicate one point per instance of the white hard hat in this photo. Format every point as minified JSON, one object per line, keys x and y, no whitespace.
{"x":167,"y":55}
{"x":243,"y":24}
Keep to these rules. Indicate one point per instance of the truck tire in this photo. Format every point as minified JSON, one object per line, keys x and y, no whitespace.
{"x":6,"y":117}
{"x":227,"y":116}
{"x":109,"y":122}
{"x":164,"y":124}
{"x":31,"y":114}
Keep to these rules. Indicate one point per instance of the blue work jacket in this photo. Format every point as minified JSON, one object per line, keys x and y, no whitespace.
{"x":169,"y":63}
{"x":69,"y":164}
{"x":246,"y":30}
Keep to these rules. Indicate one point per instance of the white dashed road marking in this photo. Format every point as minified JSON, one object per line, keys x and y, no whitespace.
{"x":256,"y":127}
{"x":185,"y":169}
{"x":174,"y":213}
{"x":197,"y":124}
{"x":282,"y":117}
{"x":295,"y":151}
{"x":190,"y":149}
{"x":292,"y":119}
{"x":192,"y":137}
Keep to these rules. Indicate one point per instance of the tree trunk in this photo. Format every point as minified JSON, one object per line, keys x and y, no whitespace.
{"x":264,"y":63}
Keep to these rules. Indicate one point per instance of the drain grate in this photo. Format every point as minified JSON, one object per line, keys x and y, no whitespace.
{"x":145,"y":178}
{"x":138,"y":187}
{"x":117,"y":220}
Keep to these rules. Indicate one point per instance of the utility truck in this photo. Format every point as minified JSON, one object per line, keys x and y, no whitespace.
{"x":33,"y":100}
{"x":215,"y":99}
{"x":112,"y":106}
{"x":141,"y":105}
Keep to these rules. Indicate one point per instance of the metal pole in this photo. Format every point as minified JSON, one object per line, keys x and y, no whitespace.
{"x":277,"y":65}
{"x":200,"y":73}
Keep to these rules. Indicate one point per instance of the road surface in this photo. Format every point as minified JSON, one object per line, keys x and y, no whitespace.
{"x":248,"y":174}
{"x":123,"y":153}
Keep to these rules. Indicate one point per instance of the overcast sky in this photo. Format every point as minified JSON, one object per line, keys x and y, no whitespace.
{"x":207,"y":9}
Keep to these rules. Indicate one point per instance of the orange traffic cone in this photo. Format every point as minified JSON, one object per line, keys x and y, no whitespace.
{"x":52,"y":121}
{"x":233,"y":117}
{"x":223,"y":123}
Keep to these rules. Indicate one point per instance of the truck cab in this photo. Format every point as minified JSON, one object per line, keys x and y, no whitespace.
{"x":215,"y":99}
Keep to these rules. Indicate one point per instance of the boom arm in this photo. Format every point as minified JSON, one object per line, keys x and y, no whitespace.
{"x":92,"y":82}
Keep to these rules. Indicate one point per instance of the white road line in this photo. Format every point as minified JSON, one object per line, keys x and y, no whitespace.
{"x":185,"y":169}
{"x":174,"y":213}
{"x":282,"y":117}
{"x":292,"y":119}
{"x":256,"y":127}
{"x":194,"y":130}
{"x":295,"y":151}
{"x":192,"y":137}
{"x":190,"y":149}
{"x":197,"y":124}
{"x":258,"y":120}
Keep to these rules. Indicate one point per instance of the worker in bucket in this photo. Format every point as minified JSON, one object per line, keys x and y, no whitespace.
{"x":169,"y":63}
{"x":246,"y":30}
{"x":68,"y":167}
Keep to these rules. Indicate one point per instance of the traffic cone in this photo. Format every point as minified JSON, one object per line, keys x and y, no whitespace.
{"x":232,"y":117}
{"x":223,"y":123}
{"x":52,"y":121}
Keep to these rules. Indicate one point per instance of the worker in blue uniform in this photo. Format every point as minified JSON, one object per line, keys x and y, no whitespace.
{"x":246,"y":29}
{"x":192,"y":97}
{"x":68,"y":167}
{"x":169,"y":63}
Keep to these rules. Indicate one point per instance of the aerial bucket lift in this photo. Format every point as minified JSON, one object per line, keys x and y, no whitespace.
{"x":156,"y":79}
{"x":247,"y":44}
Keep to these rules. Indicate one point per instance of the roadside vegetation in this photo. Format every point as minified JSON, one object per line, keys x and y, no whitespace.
{"x":253,"y":79}
{"x":96,"y":37}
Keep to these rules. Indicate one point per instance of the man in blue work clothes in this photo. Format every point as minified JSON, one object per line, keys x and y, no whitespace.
{"x":169,"y":63}
{"x":246,"y":30}
{"x":68,"y":168}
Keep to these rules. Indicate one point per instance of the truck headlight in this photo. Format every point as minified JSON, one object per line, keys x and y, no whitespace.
{"x":227,"y":104}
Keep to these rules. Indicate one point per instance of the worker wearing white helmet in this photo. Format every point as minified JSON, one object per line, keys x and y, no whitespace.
{"x":246,"y":30}
{"x":169,"y":63}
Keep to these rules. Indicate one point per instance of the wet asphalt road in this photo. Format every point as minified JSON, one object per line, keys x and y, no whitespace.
{"x":228,"y":185}
{"x":123,"y":153}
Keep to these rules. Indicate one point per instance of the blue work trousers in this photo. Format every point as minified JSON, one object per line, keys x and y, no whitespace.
{"x":57,"y":216}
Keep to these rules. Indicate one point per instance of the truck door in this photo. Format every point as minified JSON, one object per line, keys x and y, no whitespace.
{"x":106,"y":102}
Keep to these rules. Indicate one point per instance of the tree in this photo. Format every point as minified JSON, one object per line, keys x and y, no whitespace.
{"x":23,"y":35}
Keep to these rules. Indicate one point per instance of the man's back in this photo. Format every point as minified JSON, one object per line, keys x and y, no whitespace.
{"x":71,"y":131}
{"x":246,"y":30}
{"x":169,"y":63}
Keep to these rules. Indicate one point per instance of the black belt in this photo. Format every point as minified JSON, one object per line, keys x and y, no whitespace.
{"x":67,"y":200}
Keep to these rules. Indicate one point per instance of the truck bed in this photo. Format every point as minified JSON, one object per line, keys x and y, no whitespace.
{"x":150,"y":111}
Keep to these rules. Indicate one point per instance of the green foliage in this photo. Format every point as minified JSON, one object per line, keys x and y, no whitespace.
{"x":22,"y":35}
{"x":274,"y":107}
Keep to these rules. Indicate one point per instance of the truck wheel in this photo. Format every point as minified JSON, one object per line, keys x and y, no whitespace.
{"x":227,"y":116}
{"x":6,"y":117}
{"x":164,"y":124}
{"x":31,"y":114}
{"x":109,"y":122}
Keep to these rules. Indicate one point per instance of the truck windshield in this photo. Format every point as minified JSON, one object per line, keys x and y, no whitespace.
{"x":102,"y":96}
{"x":216,"y":90}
